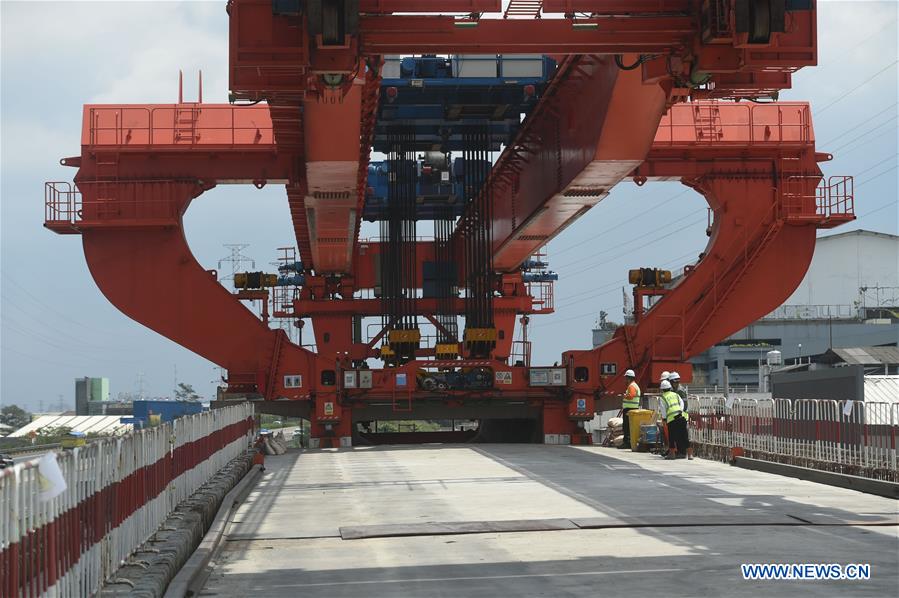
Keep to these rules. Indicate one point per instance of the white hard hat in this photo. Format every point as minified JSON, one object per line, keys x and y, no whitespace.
{"x":674,"y":376}
{"x":665,"y":376}
{"x":665,"y":385}
{"x":630,"y":374}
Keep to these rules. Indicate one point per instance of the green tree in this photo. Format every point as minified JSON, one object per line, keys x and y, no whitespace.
{"x":14,"y":416}
{"x":186,"y":392}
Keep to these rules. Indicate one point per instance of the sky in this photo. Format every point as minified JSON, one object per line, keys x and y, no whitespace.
{"x":56,"y":56}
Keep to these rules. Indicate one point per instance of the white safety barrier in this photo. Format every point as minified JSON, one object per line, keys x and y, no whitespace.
{"x":118,"y":493}
{"x":845,"y":436}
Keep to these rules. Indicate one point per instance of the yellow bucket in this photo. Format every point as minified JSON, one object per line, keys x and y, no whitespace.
{"x":636,"y":418}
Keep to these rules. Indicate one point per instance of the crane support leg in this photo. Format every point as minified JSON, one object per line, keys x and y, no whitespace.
{"x":742,"y":275}
{"x":150,"y":275}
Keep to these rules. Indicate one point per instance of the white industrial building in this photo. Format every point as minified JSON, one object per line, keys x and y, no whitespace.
{"x":846,"y":262}
{"x":848,"y":298}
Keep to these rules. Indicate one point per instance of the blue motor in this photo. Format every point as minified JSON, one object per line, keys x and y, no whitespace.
{"x":440,"y":188}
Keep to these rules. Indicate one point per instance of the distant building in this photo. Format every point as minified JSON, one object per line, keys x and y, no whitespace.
{"x":848,"y":298}
{"x":853,"y":373}
{"x":90,"y":390}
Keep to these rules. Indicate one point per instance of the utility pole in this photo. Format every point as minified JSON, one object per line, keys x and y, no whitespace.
{"x":236,"y":259}
{"x":140,"y":386}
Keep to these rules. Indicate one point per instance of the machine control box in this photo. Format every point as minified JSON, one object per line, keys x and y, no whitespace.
{"x":547,"y":377}
{"x":357,"y":379}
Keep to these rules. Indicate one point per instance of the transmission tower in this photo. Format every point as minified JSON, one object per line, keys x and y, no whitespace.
{"x":237,"y":259}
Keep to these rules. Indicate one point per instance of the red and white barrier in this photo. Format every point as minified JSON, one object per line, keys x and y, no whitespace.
{"x":119,"y":491}
{"x":848,"y":436}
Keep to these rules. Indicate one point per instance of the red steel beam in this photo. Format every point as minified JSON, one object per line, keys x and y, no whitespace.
{"x":441,"y":6}
{"x":616,"y":7}
{"x":446,"y":35}
{"x":592,"y":127}
{"x":304,"y":308}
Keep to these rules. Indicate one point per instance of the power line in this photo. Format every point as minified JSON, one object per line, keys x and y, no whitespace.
{"x":876,"y":176}
{"x":872,"y":212}
{"x":865,"y":134}
{"x":638,"y":240}
{"x":57,"y":333}
{"x":66,"y":318}
{"x":619,"y":225}
{"x":600,"y":294}
{"x":864,"y":122}
{"x":617,"y":284}
{"x":870,"y":168}
{"x":43,"y":359}
{"x":866,"y":145}
{"x":857,"y":87}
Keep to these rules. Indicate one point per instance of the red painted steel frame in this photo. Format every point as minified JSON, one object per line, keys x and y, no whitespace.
{"x":596,"y":123}
{"x":740,"y":156}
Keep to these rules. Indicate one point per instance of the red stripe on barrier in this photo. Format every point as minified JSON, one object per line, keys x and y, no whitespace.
{"x":44,"y":555}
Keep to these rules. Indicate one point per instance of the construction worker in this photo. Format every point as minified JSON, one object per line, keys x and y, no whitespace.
{"x":667,"y":436}
{"x":629,"y":400}
{"x":674,"y":379}
{"x":674,"y":417}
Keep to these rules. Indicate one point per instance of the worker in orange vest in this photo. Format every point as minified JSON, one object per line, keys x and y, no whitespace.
{"x":629,"y":400}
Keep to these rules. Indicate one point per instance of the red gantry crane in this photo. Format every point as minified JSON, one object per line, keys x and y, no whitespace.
{"x":612,"y":90}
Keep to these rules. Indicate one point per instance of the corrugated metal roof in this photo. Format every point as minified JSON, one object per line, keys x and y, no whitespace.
{"x":869,"y":355}
{"x":101,"y":424}
{"x":882,"y":389}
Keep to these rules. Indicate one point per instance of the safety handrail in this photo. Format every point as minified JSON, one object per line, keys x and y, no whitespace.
{"x":159,"y":125}
{"x":754,"y":129}
{"x":855,"y":437}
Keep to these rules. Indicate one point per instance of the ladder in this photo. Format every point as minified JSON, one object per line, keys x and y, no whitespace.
{"x":707,"y":123}
{"x":722,"y":287}
{"x":524,"y":8}
{"x":185,"y":129}
{"x":105,"y":198}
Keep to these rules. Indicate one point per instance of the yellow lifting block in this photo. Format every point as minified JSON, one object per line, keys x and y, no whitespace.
{"x":649,"y":277}
{"x":386,"y":351}
{"x":404,"y":336}
{"x":480,"y":335}
{"x":446,"y":350}
{"x":254,"y":280}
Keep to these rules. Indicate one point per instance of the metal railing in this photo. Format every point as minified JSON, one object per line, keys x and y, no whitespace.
{"x":118,"y":493}
{"x":700,"y":123}
{"x":110,"y":203}
{"x":62,"y":203}
{"x":179,"y":124}
{"x":852,"y":437}
{"x":814,"y":198}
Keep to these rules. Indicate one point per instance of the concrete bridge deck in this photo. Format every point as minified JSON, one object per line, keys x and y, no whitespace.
{"x":535,"y":520}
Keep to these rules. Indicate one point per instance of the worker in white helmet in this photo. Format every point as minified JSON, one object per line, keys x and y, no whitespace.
{"x":629,"y":400}
{"x":664,"y":378}
{"x":674,"y":417}
{"x":674,"y":379}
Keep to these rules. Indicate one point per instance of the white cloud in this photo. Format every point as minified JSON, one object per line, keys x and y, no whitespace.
{"x":122,"y":51}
